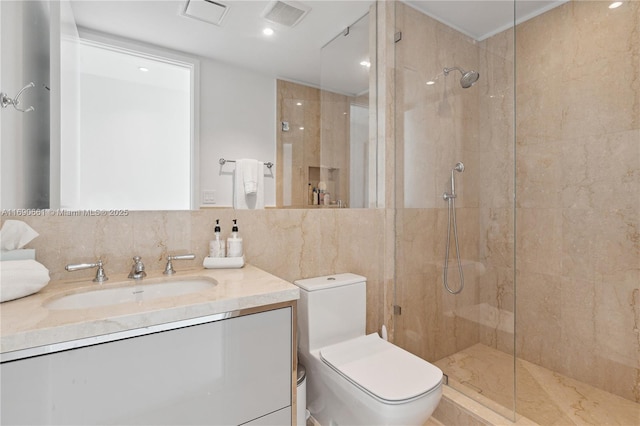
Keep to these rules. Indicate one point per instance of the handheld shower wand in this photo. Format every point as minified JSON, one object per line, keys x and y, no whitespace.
{"x":459,"y":167}
{"x":450,"y":198}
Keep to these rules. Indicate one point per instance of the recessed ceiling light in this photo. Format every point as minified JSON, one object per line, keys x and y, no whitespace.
{"x":366,"y":64}
{"x":615,"y":4}
{"x":430,"y":83}
{"x":267,"y":31}
{"x":299,"y":104}
{"x":301,"y":128}
{"x":143,"y":69}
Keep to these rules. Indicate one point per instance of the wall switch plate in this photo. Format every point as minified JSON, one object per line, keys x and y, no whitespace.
{"x":209,"y":197}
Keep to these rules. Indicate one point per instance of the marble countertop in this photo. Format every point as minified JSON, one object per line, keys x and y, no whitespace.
{"x":26,"y":323}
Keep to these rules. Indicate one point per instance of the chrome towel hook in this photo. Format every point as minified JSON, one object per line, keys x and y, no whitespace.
{"x":6,"y":100}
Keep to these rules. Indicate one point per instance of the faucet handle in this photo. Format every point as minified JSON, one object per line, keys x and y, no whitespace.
{"x":168,"y":270}
{"x":101,"y":276}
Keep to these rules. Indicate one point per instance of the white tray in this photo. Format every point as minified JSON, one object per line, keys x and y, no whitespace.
{"x":223,"y":262}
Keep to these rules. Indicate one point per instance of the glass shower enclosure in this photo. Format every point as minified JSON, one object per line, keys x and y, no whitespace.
{"x":517,"y":161}
{"x":455,"y":167}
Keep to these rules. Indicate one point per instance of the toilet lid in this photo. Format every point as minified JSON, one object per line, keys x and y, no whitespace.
{"x":382,"y":369}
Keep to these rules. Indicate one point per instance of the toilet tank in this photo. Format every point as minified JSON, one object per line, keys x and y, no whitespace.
{"x":331,"y":309}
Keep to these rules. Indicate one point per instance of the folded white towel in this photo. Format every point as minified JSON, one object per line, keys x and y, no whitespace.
{"x":242,"y":200}
{"x":19,"y":278}
{"x":249,"y":171}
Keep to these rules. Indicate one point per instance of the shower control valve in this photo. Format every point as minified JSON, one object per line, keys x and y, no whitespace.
{"x":447,"y":196}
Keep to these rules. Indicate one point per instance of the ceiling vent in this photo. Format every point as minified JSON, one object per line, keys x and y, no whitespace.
{"x":206,"y":11}
{"x":285,"y":13}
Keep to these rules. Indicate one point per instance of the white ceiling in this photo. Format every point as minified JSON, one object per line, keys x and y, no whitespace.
{"x":291,"y":53}
{"x":481,"y":19}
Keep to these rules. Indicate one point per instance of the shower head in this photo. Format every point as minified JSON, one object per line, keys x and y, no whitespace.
{"x":468,"y":79}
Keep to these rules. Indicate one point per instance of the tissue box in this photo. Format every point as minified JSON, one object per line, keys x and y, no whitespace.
{"x":20,"y":254}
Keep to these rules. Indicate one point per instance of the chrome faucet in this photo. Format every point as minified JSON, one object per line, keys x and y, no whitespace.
{"x":168,"y":270}
{"x":101,"y":276}
{"x":137,"y":270}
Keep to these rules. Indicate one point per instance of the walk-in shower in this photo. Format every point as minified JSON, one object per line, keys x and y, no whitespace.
{"x":450,"y":198}
{"x":547,"y":324}
{"x":468,"y":79}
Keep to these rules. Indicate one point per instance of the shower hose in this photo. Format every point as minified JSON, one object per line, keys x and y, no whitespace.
{"x":451,"y":200}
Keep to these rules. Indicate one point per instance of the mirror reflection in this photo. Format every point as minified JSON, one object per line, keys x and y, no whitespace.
{"x":323,"y":140}
{"x":25,"y":150}
{"x":231,"y":109}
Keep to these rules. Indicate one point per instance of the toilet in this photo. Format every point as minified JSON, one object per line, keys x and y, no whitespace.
{"x":354,"y":378}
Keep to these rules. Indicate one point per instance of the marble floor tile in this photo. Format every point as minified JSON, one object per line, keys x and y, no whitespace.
{"x":543,"y":396}
{"x":432,"y":422}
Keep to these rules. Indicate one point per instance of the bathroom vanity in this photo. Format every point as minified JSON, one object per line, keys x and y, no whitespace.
{"x":222,"y":354}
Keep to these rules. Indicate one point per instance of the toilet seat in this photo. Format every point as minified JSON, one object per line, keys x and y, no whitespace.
{"x":384,"y":371}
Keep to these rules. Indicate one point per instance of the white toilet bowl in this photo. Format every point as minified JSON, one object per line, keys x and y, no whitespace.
{"x":358,"y":379}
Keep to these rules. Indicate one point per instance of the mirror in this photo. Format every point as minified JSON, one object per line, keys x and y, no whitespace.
{"x":237,"y":72}
{"x":24,"y":123}
{"x":323,"y":140}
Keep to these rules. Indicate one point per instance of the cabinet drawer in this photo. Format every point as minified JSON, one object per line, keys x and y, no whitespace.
{"x":223,"y":372}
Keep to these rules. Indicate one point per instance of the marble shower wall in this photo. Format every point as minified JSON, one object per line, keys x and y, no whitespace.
{"x":290,"y":244}
{"x":577,"y":180}
{"x":578,"y":186}
{"x":436,"y":126}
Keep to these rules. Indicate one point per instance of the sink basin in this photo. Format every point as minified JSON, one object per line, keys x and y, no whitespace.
{"x":138,"y":292}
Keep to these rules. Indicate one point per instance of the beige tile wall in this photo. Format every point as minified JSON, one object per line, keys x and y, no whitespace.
{"x":290,"y":244}
{"x":436,"y":126}
{"x":577,"y":183}
{"x":578,"y":186}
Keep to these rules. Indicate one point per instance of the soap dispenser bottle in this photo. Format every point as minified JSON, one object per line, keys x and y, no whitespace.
{"x":216,"y":246}
{"x":234,"y":242}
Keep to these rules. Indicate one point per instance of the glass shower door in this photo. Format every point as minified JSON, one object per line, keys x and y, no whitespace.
{"x":455,"y":185}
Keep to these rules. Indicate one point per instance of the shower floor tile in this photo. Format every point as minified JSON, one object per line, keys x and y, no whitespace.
{"x":545,"y":397}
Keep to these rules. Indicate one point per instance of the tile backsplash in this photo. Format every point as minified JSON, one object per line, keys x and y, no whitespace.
{"x":290,"y":244}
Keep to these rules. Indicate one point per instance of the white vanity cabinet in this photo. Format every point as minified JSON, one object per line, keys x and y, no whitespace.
{"x":208,"y":371}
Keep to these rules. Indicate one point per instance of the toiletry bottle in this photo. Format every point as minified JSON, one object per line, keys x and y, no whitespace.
{"x":310,"y":194}
{"x":216,"y":246}
{"x":234,"y":242}
{"x":315,"y":196}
